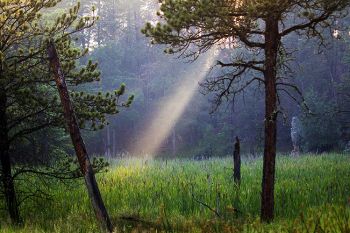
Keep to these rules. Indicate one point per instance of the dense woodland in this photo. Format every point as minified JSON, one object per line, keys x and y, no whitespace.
{"x":168,"y":80}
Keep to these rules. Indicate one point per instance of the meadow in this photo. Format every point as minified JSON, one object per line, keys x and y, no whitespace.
{"x":312,"y":195}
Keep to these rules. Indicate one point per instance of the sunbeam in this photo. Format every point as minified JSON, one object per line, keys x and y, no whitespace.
{"x":173,"y":107}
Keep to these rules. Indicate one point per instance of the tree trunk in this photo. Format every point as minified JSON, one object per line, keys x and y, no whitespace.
{"x":272,"y":41}
{"x":6,"y":170}
{"x":108,"y":148}
{"x":79,"y":146}
{"x":114,"y":144}
{"x":237,"y":162}
{"x":174,"y":142}
{"x":99,"y":26}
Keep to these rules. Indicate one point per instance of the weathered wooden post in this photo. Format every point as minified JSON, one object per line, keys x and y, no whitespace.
{"x":237,"y":162}
{"x":77,"y":140}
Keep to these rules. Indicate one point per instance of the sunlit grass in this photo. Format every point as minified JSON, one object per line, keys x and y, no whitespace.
{"x":311,"y":191}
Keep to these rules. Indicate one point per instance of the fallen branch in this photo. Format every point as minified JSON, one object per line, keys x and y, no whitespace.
{"x":207,"y":206}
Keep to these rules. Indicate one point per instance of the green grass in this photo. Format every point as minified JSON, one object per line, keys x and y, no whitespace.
{"x":312,"y":195}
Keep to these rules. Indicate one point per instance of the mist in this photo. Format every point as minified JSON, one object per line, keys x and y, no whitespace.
{"x":174,"y":116}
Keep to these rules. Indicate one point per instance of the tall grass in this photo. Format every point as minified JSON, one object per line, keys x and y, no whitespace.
{"x":185,"y":195}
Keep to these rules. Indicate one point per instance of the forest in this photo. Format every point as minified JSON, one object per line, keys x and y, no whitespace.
{"x":175,"y":116}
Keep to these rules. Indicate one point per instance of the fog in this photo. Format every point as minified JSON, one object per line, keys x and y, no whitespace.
{"x":170,"y":114}
{"x":173,"y":106}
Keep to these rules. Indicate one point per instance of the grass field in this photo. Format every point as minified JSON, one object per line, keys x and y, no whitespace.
{"x":312,"y":195}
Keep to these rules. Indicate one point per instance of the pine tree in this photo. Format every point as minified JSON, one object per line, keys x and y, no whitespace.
{"x":28,"y":99}
{"x":191,"y":27}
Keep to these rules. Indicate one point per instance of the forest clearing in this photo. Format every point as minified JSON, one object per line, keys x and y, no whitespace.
{"x":175,"y":116}
{"x":166,"y":196}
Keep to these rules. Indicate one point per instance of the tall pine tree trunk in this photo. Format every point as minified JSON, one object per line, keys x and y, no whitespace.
{"x":174,"y":141}
{"x":268,"y":181}
{"x":6,"y":170}
{"x":108,"y":143}
{"x":114,"y":144}
{"x":99,"y":26}
{"x":78,"y":143}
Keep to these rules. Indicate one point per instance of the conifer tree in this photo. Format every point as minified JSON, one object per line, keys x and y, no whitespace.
{"x":259,"y":28}
{"x":28,"y":99}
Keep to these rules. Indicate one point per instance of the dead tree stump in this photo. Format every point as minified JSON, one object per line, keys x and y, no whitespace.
{"x":237,"y":162}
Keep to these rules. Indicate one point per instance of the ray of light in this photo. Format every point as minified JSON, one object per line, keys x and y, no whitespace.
{"x":173,"y":107}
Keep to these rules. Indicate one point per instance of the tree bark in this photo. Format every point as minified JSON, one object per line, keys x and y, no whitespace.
{"x":99,"y":26}
{"x":237,"y":162}
{"x":174,"y":141}
{"x":272,"y":42}
{"x":114,"y":144}
{"x":6,"y":170}
{"x":78,"y":143}
{"x":109,"y":146}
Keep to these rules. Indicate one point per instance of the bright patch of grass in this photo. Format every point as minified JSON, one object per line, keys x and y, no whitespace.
{"x":312,"y":195}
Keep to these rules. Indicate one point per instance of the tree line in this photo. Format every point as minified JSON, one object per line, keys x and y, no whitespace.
{"x":257,"y":41}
